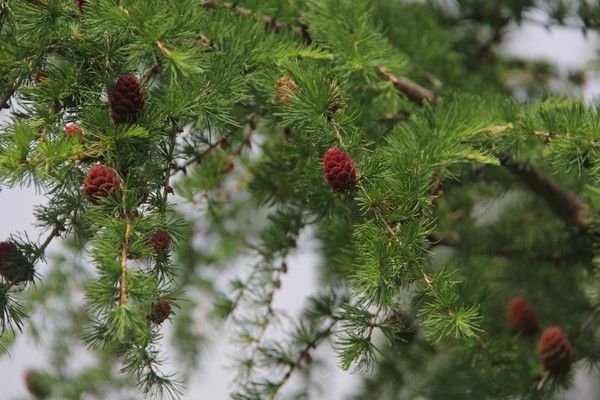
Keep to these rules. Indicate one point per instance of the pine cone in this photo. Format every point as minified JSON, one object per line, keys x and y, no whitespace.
{"x":15,"y":268}
{"x":522,"y":317}
{"x":126,"y":99}
{"x":80,"y":4}
{"x":40,"y":75}
{"x":285,"y":88}
{"x":555,"y":350}
{"x":339,"y":170}
{"x":404,"y":327}
{"x":100,"y":181}
{"x":73,"y":130}
{"x":160,"y":311}
{"x":160,"y":241}
{"x":38,"y":384}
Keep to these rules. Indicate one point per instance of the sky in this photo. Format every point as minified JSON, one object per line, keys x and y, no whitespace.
{"x":566,"y":47}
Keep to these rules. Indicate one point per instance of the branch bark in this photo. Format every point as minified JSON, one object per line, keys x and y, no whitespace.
{"x":123,"y":290}
{"x":566,"y":204}
{"x":415,"y":92}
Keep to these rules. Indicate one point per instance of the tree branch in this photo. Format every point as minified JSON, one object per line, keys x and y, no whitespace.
{"x":303,"y":355}
{"x":269,"y":22}
{"x":415,"y":92}
{"x":566,"y":204}
{"x":124,"y":255}
{"x":42,"y":248}
{"x":175,"y":129}
{"x":411,"y":89}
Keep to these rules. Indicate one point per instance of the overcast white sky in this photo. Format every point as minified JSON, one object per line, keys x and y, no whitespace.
{"x":567,"y":47}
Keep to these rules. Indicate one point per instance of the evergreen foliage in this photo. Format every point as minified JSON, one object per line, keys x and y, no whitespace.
{"x":213,"y":118}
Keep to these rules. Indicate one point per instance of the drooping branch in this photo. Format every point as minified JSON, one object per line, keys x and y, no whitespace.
{"x":394,"y":230}
{"x":303,"y":356}
{"x":566,"y":204}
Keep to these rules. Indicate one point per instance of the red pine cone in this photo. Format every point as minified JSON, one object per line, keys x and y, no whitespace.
{"x":126,"y":99}
{"x":40,"y":76}
{"x":555,"y":350}
{"x":339,"y":169}
{"x":160,"y":311}
{"x":15,"y":268}
{"x":160,"y":241}
{"x":80,"y":4}
{"x":522,"y":317}
{"x":73,"y":130}
{"x":100,"y":181}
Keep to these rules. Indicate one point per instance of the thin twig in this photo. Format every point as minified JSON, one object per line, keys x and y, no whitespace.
{"x":558,"y":24}
{"x":264,"y":324}
{"x":211,"y":146}
{"x":199,"y":156}
{"x":590,"y":318}
{"x":172,"y":144}
{"x":124,"y":254}
{"x":163,"y":49}
{"x":336,"y":128}
{"x":269,"y":22}
{"x":42,"y":248}
{"x":302,"y":355}
{"x":415,"y":92}
{"x":543,"y":380}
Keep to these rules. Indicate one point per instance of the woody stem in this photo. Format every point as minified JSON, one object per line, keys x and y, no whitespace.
{"x":124,"y":254}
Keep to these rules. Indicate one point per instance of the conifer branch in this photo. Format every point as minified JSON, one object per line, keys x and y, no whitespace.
{"x":175,"y":129}
{"x":303,"y":355}
{"x":197,"y":158}
{"x":542,"y":381}
{"x":566,"y":204}
{"x":590,"y":318}
{"x":269,"y":22}
{"x":124,"y":254}
{"x":163,"y":49}
{"x":37,"y":3}
{"x":336,"y":129}
{"x":223,"y":141}
{"x":265,"y":319}
{"x":413,"y":91}
{"x":42,"y":248}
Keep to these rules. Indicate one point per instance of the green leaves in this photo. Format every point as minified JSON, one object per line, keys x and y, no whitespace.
{"x":346,"y":27}
{"x":246,"y":165}
{"x":125,"y":325}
